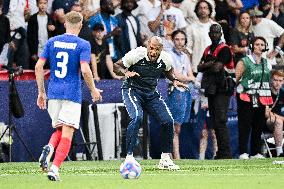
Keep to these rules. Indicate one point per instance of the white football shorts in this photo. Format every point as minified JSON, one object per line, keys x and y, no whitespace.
{"x":64,"y":111}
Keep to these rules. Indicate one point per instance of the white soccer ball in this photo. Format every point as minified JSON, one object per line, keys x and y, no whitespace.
{"x":130,"y":170}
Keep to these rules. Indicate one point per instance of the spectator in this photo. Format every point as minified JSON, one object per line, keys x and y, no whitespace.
{"x":223,"y":9}
{"x":18,"y":12}
{"x":59,"y":22}
{"x":4,"y":28}
{"x":216,"y":59}
{"x":271,"y":31}
{"x":5,"y":8}
{"x":89,"y":8}
{"x":249,"y":4}
{"x":188,"y":6}
{"x":40,"y":28}
{"x":102,"y":65}
{"x":142,"y":12}
{"x":110,"y":24}
{"x":179,"y":100}
{"x":274,"y":114}
{"x":241,"y":36}
{"x":164,"y":20}
{"x":197,"y":33}
{"x":66,"y":5}
{"x":278,"y":15}
{"x":130,"y":27}
{"x":85,"y":32}
{"x":49,"y":6}
{"x":33,"y":6}
{"x":253,"y":94}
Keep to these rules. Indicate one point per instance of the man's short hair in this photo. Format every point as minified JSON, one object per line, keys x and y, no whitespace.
{"x":156,"y":38}
{"x":73,"y":17}
{"x":1,"y":3}
{"x":98,"y":27}
{"x":278,"y":73}
{"x":216,"y":27}
{"x":198,"y":4}
{"x":37,"y":1}
{"x":123,"y":4}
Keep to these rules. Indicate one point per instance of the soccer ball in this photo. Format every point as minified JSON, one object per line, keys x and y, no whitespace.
{"x":130,"y":170}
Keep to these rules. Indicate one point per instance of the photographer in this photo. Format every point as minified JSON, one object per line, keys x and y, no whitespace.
{"x":216,"y":58}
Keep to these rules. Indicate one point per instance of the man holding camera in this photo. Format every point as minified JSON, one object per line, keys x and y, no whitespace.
{"x":217,"y":58}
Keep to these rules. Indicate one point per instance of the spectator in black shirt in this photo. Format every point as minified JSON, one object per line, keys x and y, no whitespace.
{"x":59,"y":22}
{"x":102,"y":65}
{"x":241,"y":36}
{"x":4,"y":28}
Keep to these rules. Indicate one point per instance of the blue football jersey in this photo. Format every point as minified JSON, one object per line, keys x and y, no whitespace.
{"x":64,"y":53}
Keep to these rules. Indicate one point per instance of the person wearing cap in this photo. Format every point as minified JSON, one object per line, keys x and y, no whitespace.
{"x":272,"y":30}
{"x":214,"y":63}
{"x":110,"y":23}
{"x":102,"y":65}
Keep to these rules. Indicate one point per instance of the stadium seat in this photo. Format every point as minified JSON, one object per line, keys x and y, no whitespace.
{"x":268,"y":142}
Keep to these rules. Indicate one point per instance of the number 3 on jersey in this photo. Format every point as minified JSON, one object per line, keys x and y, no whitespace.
{"x":63,"y":64}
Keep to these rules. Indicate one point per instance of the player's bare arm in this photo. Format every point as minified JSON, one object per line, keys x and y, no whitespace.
{"x":120,"y":70}
{"x":171,"y":76}
{"x":41,"y":99}
{"x":88,"y":77}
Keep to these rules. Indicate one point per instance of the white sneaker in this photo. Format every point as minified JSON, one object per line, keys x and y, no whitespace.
{"x":167,"y":164}
{"x":244,"y":156}
{"x":257,"y":156}
{"x":53,"y":175}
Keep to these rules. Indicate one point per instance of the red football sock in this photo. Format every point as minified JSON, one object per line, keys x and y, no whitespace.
{"x":55,"y":138}
{"x":62,"y":151}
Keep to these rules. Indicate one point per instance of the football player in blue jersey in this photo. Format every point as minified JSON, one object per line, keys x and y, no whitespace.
{"x":67,"y":55}
{"x":142,"y":68}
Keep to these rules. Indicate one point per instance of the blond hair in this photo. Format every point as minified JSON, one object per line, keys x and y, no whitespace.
{"x":73,"y":18}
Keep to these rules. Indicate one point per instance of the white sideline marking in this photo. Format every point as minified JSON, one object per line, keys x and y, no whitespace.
{"x":155,"y":174}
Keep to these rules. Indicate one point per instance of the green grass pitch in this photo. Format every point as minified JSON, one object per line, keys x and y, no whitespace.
{"x":194,"y":174}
